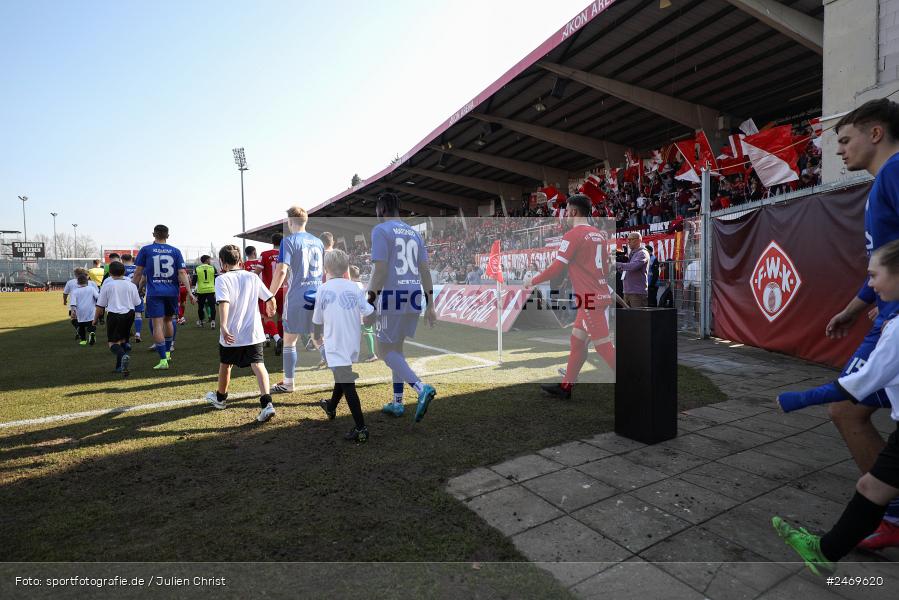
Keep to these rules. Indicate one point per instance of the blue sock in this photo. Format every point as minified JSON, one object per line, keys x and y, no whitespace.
{"x":160,"y":349}
{"x":138,"y":325}
{"x":119,"y":351}
{"x":831,"y":392}
{"x":289,"y":360}
{"x":892,"y":514}
{"x":401,"y":369}
{"x":168,"y":344}
{"x":127,"y":347}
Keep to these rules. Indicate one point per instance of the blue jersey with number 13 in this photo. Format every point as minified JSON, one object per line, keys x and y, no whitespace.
{"x":161,"y":264}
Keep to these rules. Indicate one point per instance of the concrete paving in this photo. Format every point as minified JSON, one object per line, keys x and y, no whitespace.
{"x":689,"y":518}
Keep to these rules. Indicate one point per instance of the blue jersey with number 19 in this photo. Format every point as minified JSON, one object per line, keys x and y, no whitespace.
{"x":303,"y":253}
{"x":161,"y":264}
{"x":400,"y":246}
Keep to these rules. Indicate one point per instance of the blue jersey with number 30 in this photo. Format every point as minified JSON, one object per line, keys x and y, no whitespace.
{"x":161,"y":264}
{"x":400,"y":246}
{"x":304,"y":254}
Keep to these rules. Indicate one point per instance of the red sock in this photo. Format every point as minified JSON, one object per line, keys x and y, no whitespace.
{"x":607,"y":352}
{"x":575,"y":361}
{"x":270,"y":328}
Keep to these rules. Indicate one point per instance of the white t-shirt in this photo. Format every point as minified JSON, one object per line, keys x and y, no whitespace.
{"x":339,"y":304}
{"x":691,"y":277}
{"x":118,"y":296}
{"x":72,"y":285}
{"x":84,"y":301}
{"x":241,"y":290}
{"x":881,"y":372}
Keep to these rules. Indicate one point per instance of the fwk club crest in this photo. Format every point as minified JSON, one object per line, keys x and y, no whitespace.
{"x":775,"y":281}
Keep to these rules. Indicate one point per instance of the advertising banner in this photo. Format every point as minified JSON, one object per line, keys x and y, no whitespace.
{"x":779,"y":274}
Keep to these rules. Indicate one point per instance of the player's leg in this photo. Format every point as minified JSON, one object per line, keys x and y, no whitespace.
{"x":860,"y":518}
{"x":267,"y":410}
{"x":91,"y":333}
{"x":393,"y":330}
{"x":138,"y":322}
{"x":346,"y":378}
{"x":82,"y":332}
{"x":218,"y":399}
{"x":289,"y":364}
{"x":576,"y":357}
{"x":169,"y":319}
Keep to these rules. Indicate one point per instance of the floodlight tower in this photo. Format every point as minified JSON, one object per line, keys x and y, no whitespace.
{"x":55,"y":239}
{"x":75,"y":245}
{"x":24,"y":224}
{"x":240,"y":159}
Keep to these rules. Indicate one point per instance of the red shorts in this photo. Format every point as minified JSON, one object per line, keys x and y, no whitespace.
{"x":279,"y":299}
{"x":593,"y":321}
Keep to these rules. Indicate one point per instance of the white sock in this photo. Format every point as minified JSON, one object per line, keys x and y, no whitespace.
{"x":288,"y":383}
{"x":277,"y":337}
{"x":418,"y":386}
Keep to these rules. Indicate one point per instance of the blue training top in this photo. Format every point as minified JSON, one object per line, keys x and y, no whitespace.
{"x":882,"y":227}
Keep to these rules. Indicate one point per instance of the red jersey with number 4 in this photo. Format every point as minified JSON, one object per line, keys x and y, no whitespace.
{"x":269,"y":261}
{"x":584,"y":249}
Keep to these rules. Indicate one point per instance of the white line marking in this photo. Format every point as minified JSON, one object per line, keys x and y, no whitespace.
{"x":239,"y":396}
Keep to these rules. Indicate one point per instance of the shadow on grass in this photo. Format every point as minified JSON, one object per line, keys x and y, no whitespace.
{"x":192,"y":484}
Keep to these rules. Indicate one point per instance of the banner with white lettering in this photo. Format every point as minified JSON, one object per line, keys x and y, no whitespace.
{"x":780,"y":273}
{"x":476,"y":305}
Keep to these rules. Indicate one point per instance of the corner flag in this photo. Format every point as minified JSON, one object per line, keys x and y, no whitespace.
{"x":494,"y":264}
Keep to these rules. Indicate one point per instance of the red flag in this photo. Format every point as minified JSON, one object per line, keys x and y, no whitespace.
{"x":591,"y":189}
{"x":494,"y":264}
{"x":688,"y":170}
{"x":773,"y":155}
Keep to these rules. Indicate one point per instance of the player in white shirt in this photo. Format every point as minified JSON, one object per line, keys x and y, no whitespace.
{"x":880,"y":485}
{"x":241,"y":338}
{"x":82,"y":303}
{"x":339,"y":306}
{"x":70,"y":286}
{"x":119,"y":298}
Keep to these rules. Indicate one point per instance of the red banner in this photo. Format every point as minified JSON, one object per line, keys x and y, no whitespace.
{"x":780,"y":273}
{"x":130,"y":251}
{"x":475,"y":305}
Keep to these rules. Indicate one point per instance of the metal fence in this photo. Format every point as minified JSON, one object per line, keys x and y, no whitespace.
{"x":40,"y":272}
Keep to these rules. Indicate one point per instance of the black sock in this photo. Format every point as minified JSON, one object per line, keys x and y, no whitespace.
{"x":336,"y":395}
{"x":220,"y":396}
{"x":352,"y":400}
{"x":859,"y":520}
{"x":118,"y":351}
{"x":127,"y":347}
{"x":265,"y":400}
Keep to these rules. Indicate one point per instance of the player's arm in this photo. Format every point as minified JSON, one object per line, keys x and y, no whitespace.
{"x":427,"y":285}
{"x":65,"y":298}
{"x":278,"y":277}
{"x":223,"y":310}
{"x":185,"y":281}
{"x":840,"y":324}
{"x":555,"y":269}
{"x":267,"y":297}
{"x":138,"y":277}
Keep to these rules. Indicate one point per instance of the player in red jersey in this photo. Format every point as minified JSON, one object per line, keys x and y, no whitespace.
{"x":584,"y":252}
{"x":269,"y":263}
{"x":252,"y":263}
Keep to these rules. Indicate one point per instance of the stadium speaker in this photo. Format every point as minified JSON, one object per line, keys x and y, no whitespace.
{"x":559,"y":85}
{"x":646,"y":375}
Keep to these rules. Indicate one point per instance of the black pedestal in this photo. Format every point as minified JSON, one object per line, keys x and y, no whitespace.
{"x":646,"y":377}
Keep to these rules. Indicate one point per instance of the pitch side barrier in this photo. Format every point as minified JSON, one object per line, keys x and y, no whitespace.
{"x":466,"y":319}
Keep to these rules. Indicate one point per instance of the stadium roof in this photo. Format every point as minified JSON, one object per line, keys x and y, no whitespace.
{"x":620,"y":74}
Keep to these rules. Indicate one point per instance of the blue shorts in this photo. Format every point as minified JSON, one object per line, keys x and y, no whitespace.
{"x":393,"y":328}
{"x":296,"y":316}
{"x":879,"y":398}
{"x":161,"y":306}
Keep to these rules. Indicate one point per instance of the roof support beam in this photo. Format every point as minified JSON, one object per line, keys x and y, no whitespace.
{"x":455,"y":202}
{"x":599,"y":149}
{"x":503,"y":190}
{"x":413,"y":207}
{"x":549,"y":175}
{"x":695,"y":116}
{"x":796,"y":25}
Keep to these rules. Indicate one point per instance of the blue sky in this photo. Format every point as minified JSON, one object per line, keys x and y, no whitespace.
{"x":119,"y":115}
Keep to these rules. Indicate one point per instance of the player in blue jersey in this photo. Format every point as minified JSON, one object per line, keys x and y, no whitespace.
{"x":301,"y":257}
{"x":162,"y":266}
{"x":400,"y":285}
{"x":130,"y":267}
{"x":868,"y":139}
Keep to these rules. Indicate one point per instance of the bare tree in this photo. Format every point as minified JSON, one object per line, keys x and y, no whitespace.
{"x":356,"y":180}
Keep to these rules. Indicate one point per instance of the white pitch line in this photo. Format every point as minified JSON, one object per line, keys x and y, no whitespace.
{"x":240,"y":396}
